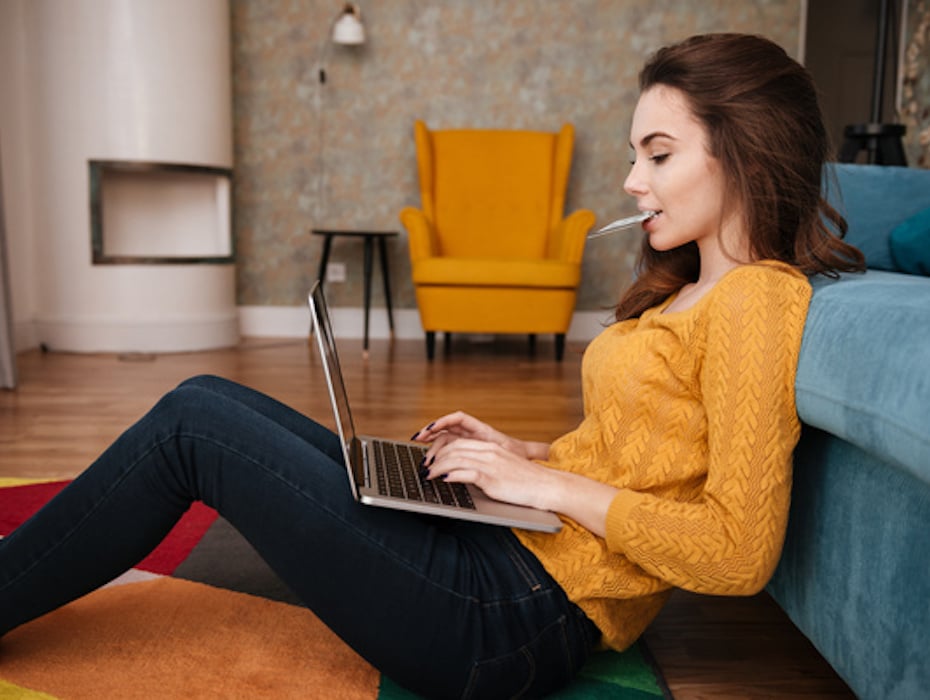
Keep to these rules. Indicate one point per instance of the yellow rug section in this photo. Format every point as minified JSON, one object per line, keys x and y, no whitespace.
{"x":170,"y":638}
{"x":6,"y":481}
{"x":8,"y":691}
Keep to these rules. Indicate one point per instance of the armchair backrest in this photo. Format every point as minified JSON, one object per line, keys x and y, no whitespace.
{"x":493,"y":193}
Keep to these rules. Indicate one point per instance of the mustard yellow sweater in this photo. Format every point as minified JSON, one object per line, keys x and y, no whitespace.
{"x":692,"y":416}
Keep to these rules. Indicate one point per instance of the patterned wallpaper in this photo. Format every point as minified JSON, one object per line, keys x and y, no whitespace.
{"x":915,"y":84}
{"x":341,"y":154}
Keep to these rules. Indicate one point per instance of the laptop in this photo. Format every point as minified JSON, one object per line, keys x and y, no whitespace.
{"x":385,"y":473}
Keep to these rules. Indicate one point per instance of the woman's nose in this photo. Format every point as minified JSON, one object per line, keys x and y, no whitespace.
{"x":633,"y":185}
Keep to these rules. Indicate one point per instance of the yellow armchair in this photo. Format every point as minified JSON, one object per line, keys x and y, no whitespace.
{"x":490,"y":248}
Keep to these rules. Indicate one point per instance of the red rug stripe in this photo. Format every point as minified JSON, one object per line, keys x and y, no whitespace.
{"x":174,"y":549}
{"x":18,"y":503}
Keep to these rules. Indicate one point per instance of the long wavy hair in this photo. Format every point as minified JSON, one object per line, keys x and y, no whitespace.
{"x":764,"y":125}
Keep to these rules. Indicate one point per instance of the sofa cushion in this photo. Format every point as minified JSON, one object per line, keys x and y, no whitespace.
{"x":874,"y":199}
{"x":864,"y":368}
{"x":910,"y":244}
{"x":472,"y":272}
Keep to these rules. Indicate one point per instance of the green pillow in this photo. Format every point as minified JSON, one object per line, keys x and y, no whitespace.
{"x":910,"y":244}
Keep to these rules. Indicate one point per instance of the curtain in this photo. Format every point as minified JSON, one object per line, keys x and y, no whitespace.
{"x":7,"y":355}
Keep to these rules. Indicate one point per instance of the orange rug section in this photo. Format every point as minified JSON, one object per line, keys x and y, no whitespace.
{"x":170,"y":638}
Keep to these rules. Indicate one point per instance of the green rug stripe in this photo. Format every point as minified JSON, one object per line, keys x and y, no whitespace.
{"x":585,"y":689}
{"x":389,"y":690}
{"x":627,"y":670}
{"x":608,"y":675}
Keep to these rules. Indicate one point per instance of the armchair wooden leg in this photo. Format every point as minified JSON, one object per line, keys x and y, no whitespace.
{"x":430,"y":345}
{"x":559,"y":346}
{"x":532,"y":344}
{"x":447,"y":343}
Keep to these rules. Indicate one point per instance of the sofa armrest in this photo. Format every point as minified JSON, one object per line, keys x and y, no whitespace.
{"x":421,"y":233}
{"x":864,"y":367}
{"x":567,"y":241}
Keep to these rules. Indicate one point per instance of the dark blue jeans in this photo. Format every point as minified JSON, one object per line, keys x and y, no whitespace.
{"x":462,"y":610}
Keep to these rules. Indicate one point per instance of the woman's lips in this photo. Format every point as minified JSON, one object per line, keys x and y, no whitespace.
{"x":653,"y":215}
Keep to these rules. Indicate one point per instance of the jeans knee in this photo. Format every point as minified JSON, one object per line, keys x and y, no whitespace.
{"x":203,"y":381}
{"x":182,"y":404}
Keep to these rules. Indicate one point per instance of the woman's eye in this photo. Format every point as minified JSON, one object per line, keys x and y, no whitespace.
{"x":657,"y":158}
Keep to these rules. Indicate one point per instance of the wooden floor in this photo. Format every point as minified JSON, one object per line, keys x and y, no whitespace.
{"x":68,"y":407}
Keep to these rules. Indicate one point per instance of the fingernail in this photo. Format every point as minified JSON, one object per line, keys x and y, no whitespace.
{"x":423,"y":462}
{"x":430,"y":426}
{"x":431,"y":460}
{"x":414,"y":436}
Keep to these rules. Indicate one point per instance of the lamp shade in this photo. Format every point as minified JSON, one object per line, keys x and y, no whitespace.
{"x":348,"y":28}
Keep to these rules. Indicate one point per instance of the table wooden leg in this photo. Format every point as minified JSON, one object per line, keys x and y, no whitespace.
{"x":382,"y":249}
{"x":368,"y":269}
{"x":324,"y":258}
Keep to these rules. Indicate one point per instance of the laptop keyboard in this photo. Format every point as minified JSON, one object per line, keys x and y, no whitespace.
{"x":397,"y":467}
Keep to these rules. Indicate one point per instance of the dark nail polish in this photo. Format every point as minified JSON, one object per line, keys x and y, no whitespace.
{"x":424,"y":473}
{"x":414,"y":436}
{"x":430,"y":426}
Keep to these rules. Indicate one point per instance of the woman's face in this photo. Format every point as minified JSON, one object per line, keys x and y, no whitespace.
{"x":673,"y":172}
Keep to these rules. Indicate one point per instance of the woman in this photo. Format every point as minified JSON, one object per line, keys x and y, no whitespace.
{"x":678,"y":476}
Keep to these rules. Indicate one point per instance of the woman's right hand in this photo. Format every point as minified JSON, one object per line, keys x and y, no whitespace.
{"x":512,"y":475}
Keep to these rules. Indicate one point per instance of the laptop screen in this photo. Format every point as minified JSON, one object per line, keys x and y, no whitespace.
{"x":323,"y":330}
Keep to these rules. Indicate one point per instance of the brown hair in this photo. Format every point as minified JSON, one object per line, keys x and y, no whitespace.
{"x":764,"y":125}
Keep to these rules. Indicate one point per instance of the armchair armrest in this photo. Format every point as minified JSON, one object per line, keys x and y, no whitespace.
{"x":567,"y":241}
{"x":422,"y":236}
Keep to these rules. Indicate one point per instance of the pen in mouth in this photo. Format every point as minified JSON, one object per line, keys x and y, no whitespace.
{"x":621,"y":224}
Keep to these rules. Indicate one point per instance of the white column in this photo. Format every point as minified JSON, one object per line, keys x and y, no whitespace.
{"x":125,"y":80}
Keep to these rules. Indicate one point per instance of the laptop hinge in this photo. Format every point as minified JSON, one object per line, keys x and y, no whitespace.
{"x":359,"y":468}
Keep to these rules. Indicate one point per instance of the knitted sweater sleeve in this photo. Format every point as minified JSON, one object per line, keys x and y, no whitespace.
{"x":728,"y":541}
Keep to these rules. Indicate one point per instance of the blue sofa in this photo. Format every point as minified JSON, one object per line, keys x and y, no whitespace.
{"x":855,"y":573}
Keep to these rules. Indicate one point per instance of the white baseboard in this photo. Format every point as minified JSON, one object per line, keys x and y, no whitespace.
{"x":294,"y":322}
{"x":348,"y":322}
{"x":25,"y":336}
{"x":101,"y":334}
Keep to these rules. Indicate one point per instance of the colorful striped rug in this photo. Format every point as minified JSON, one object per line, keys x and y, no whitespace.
{"x":204,"y":617}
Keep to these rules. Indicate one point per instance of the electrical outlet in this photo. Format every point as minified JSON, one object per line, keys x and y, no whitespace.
{"x":335,"y":272}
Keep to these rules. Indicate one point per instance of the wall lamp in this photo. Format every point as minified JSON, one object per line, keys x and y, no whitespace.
{"x":348,"y":28}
